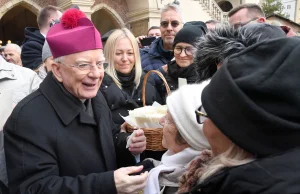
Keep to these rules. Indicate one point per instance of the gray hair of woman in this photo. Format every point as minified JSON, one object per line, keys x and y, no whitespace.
{"x":219,"y":44}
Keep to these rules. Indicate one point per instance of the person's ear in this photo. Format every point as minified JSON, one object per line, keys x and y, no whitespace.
{"x":261,"y":20}
{"x":56,"y":69}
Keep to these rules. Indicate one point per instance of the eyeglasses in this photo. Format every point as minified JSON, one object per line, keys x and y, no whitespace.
{"x":86,"y":68}
{"x":53,"y":22}
{"x":201,"y":115}
{"x":241,"y":24}
{"x":165,"y":24}
{"x":188,"y":50}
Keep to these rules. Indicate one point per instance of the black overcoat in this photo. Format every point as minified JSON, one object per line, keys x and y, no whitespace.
{"x":53,"y":146}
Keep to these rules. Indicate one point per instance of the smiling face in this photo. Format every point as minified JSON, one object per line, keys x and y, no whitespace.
{"x":182,"y":59}
{"x":81,"y":84}
{"x":124,"y":59}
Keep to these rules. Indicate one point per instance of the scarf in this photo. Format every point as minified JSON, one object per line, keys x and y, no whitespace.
{"x":189,"y":72}
{"x":195,"y":170}
{"x":127,"y":81}
{"x":169,"y":163}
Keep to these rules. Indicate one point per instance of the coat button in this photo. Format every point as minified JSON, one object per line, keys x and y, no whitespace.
{"x":112,"y":106}
{"x":106,"y":86}
{"x":139,"y":99}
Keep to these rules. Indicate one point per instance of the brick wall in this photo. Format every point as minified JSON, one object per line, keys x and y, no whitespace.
{"x":120,"y":6}
{"x":41,"y":3}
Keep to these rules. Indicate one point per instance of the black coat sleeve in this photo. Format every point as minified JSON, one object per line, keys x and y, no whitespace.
{"x":124,"y":156}
{"x":33,"y":166}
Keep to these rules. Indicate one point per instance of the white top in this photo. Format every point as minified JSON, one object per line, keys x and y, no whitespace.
{"x":22,"y":81}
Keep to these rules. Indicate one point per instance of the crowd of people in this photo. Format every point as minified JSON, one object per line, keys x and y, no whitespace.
{"x":232,"y":123}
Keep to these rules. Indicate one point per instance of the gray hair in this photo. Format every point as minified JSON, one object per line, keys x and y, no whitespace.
{"x":17,"y":47}
{"x":219,"y":44}
{"x":175,"y":7}
{"x":58,"y":59}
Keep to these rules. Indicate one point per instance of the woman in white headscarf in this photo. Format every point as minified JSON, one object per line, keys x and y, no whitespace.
{"x":182,"y":136}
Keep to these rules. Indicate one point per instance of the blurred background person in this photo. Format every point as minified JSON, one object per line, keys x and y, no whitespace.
{"x":32,"y":47}
{"x":12,"y":54}
{"x":154,"y":31}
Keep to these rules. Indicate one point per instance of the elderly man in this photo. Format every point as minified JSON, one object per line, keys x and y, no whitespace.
{"x":12,"y":54}
{"x":160,"y":52}
{"x":61,"y":139}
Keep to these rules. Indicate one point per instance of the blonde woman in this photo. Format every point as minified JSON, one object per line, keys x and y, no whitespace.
{"x":251,"y":120}
{"x":123,"y":80}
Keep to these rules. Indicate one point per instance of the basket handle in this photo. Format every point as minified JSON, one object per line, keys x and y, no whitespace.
{"x":145,"y":83}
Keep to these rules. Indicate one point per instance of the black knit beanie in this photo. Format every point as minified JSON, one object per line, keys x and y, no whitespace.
{"x":254,"y":98}
{"x":189,"y":34}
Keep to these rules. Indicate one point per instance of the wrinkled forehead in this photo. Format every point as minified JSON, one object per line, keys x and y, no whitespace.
{"x":87,"y":56}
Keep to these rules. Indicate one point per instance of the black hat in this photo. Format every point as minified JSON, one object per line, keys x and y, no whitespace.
{"x":254,"y":98}
{"x":189,"y":34}
{"x":267,"y":31}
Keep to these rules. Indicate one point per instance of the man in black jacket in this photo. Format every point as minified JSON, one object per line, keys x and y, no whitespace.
{"x":61,"y":138}
{"x":34,"y":38}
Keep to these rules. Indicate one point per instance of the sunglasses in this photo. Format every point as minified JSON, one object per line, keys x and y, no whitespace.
{"x":165,"y":24}
{"x":201,"y":115}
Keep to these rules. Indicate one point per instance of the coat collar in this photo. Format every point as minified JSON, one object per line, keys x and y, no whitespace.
{"x":274,"y":174}
{"x":7,"y":70}
{"x":65,"y":106}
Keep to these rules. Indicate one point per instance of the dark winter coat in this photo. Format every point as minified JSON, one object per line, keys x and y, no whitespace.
{"x":175,"y":72}
{"x":120,"y":101}
{"x":53,"y":145}
{"x":32,"y":48}
{"x":273,"y":175}
{"x":155,"y":57}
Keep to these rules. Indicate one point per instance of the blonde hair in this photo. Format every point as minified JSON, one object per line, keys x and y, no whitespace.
{"x":234,"y":156}
{"x":110,"y":50}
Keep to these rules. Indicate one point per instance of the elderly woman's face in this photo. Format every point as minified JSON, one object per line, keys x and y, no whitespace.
{"x":183,"y":53}
{"x":169,"y":134}
{"x":218,"y":141}
{"x":124,"y":59}
{"x":82,"y":84}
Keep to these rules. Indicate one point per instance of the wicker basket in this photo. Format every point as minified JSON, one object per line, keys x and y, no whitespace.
{"x":154,"y":135}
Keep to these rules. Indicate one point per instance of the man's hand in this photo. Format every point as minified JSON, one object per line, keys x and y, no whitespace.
{"x":138,"y":39}
{"x":138,"y":142}
{"x":127,"y":184}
